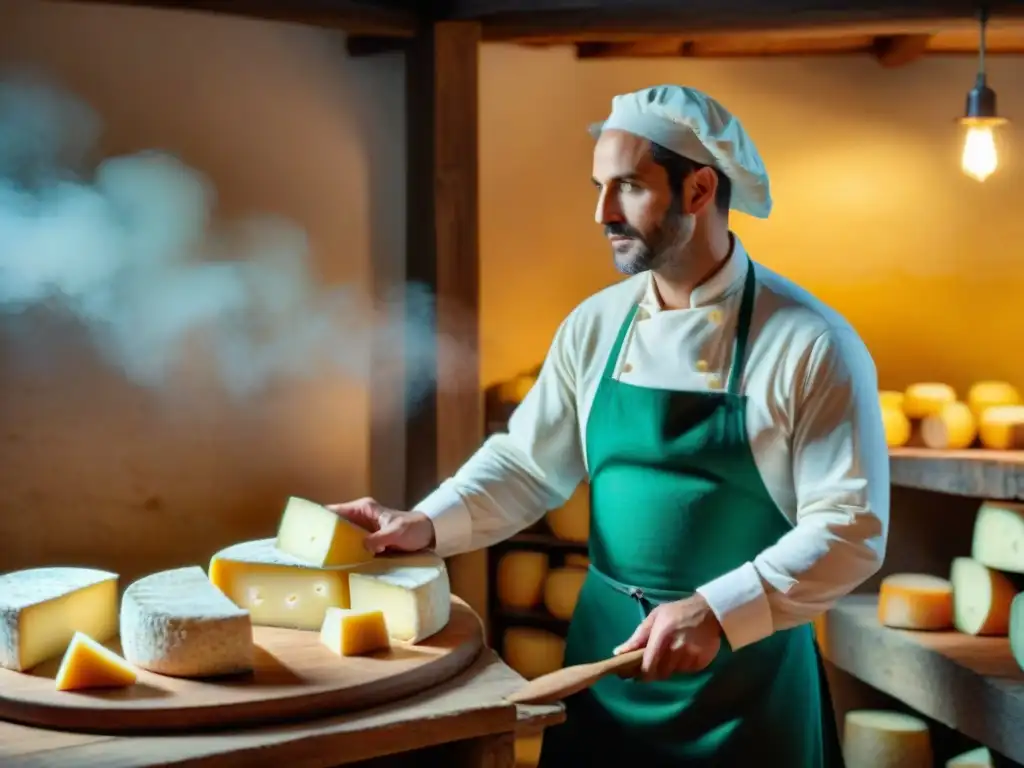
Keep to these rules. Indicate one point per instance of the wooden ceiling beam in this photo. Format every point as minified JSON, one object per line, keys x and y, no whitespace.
{"x":900,"y":50}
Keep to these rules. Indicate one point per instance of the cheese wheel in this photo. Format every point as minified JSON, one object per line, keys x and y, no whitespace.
{"x":571,"y":521}
{"x":981,"y":598}
{"x":1001,"y":428}
{"x":951,"y":429}
{"x":533,"y":652}
{"x":890,"y":398}
{"x":527,"y":750}
{"x":925,"y":399}
{"x":915,"y":601}
{"x":521,"y":578}
{"x":985,"y":394}
{"x":880,"y":739}
{"x":998,"y":540}
{"x":897,"y":427}
{"x":561,"y":591}
{"x":974,"y":758}
{"x":576,"y":561}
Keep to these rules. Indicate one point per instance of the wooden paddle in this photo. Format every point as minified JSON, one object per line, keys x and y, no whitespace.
{"x":555,"y":686}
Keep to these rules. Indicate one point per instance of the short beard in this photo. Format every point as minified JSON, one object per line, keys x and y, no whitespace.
{"x":665,"y":246}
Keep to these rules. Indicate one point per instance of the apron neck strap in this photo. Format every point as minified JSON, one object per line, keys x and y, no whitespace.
{"x":613,"y":357}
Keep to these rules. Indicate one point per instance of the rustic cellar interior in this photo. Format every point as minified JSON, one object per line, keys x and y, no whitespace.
{"x":444,"y":144}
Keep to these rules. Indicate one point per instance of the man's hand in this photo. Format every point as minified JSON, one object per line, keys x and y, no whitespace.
{"x":389,"y":528}
{"x":683,"y":636}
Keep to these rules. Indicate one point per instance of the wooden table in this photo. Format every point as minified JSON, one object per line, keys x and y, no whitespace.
{"x":463,"y":723}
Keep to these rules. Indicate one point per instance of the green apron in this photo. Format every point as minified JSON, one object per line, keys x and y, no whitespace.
{"x":676,"y":501}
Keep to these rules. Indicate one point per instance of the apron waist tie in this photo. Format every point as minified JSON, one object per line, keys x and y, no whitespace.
{"x":646,"y":598}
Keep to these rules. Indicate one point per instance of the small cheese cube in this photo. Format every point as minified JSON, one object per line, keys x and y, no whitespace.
{"x":880,"y":739}
{"x":315,"y":535}
{"x":354,"y":633}
{"x":88,"y":664}
{"x":950,"y":429}
{"x":915,"y":601}
{"x":981,"y":598}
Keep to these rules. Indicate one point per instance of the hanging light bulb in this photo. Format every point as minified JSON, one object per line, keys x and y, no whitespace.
{"x":980,"y":157}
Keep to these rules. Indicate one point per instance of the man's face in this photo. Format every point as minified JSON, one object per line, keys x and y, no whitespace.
{"x":642,"y":220}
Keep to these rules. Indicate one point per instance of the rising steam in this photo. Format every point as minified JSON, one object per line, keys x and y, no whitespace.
{"x":128,"y":247}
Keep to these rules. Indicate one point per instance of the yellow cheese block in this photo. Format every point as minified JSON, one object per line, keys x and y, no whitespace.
{"x":562,"y":590}
{"x":897,"y":427}
{"x":974,"y":758}
{"x":315,"y":535}
{"x":1001,"y":428}
{"x":982,"y":597}
{"x":576,"y":561}
{"x":533,"y":652}
{"x":925,"y":399}
{"x":571,"y":521}
{"x":354,"y":633}
{"x":87,"y":664}
{"x":1017,"y":629}
{"x":998,"y":540}
{"x":521,"y":577}
{"x":278,"y":590}
{"x":951,"y":429}
{"x":985,"y":394}
{"x":881,"y":739}
{"x":42,"y":608}
{"x":915,"y":601}
{"x":888,"y":398}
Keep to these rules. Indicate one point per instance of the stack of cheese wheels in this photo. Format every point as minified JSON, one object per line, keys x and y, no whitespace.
{"x":882,"y":739}
{"x":571,"y":521}
{"x":532,"y":652}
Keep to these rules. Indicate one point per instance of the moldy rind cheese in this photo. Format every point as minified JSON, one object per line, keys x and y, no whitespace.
{"x":354,"y":633}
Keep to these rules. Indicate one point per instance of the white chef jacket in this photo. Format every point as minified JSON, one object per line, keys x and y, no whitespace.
{"x":813,"y":418}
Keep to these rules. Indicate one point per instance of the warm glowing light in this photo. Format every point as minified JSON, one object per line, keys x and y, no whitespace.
{"x":980,"y":158}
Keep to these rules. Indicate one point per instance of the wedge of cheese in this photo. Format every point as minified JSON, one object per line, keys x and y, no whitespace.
{"x":521,"y":577}
{"x":987,"y":394}
{"x":952,"y":428}
{"x":277,"y":589}
{"x":412,"y":591}
{"x":915,"y":601}
{"x":1001,"y":428}
{"x":42,"y":608}
{"x":979,"y":757}
{"x":313,"y":534}
{"x":177,"y":623}
{"x":354,"y":633}
{"x":562,"y":590}
{"x":88,"y":664}
{"x":1017,"y":629}
{"x":981,"y":598}
{"x":998,"y":539}
{"x":926,"y":399}
{"x":881,"y":739}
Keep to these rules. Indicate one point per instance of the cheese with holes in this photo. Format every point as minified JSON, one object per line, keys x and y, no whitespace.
{"x":277,"y":589}
{"x":1016,"y":632}
{"x":951,"y":429}
{"x":88,"y":664}
{"x":315,"y":535}
{"x":177,"y":623}
{"x":521,"y":577}
{"x":981,"y":598}
{"x":986,"y":394}
{"x":888,"y":398}
{"x":412,"y":591}
{"x":925,"y":399}
{"x":897,"y":427}
{"x":1001,"y":428}
{"x":915,"y":601}
{"x":532,"y":652}
{"x":974,"y":758}
{"x":42,"y":608}
{"x":881,"y":739}
{"x":354,"y":633}
{"x":998,"y":539}
{"x":571,"y":521}
{"x":562,"y":590}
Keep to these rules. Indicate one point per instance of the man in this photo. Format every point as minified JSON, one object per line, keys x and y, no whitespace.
{"x":730,"y":428}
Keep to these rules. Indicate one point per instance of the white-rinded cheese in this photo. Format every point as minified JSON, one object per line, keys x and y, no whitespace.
{"x":915,"y":601}
{"x":1016,"y":632}
{"x":897,"y":426}
{"x":533,"y":652}
{"x":888,"y":398}
{"x":951,"y":429}
{"x":981,"y":598}
{"x":986,"y":394}
{"x":571,"y":521}
{"x":354,"y":633}
{"x":521,"y":578}
{"x":561,"y":591}
{"x":313,"y":534}
{"x":88,"y":664}
{"x":1001,"y":427}
{"x":42,"y":608}
{"x":998,"y":540}
{"x":974,"y":758}
{"x":412,"y":591}
{"x":177,"y":623}
{"x":277,"y":589}
{"x":927,"y":398}
{"x":880,"y":739}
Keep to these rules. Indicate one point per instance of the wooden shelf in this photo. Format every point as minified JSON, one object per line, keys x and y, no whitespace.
{"x":974,"y":472}
{"x":970,"y":684}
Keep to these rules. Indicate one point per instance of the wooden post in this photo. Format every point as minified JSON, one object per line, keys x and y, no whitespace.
{"x":442,"y":74}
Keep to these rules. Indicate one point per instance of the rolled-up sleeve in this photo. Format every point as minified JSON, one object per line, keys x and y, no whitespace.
{"x":841,"y":475}
{"x":516,"y":477}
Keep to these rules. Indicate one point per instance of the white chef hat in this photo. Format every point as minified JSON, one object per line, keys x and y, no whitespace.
{"x":694,"y":125}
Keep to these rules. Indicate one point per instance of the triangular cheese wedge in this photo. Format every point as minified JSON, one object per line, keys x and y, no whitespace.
{"x":87,"y":664}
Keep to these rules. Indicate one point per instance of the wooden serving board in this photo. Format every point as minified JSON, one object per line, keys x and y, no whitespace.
{"x":295,"y":677}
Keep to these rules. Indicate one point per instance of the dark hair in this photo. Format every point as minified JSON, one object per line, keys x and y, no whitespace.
{"x":678,"y":168}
